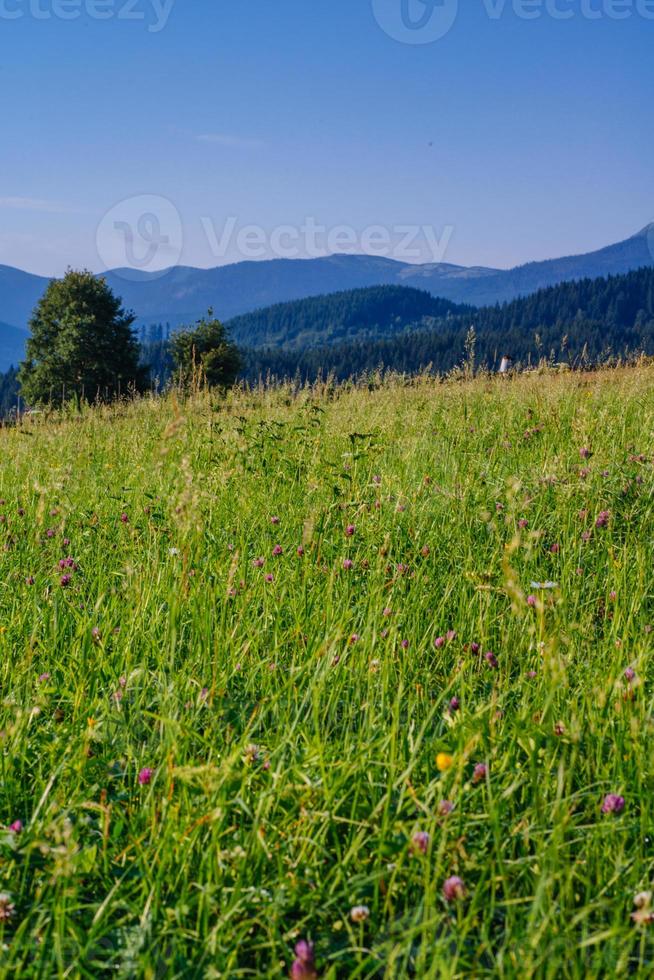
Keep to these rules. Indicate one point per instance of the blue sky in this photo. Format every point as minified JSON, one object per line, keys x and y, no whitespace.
{"x":511,"y":137}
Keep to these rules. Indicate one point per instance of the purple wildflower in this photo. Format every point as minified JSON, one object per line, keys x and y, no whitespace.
{"x":491,"y":660}
{"x":613,"y":803}
{"x":350,"y":530}
{"x":420,"y":842}
{"x":453,"y":889}
{"x":480,"y":772}
{"x":303,"y":967}
{"x":439,"y":642}
{"x":278,"y":550}
{"x":603,"y":519}
{"x":145,"y":776}
{"x":16,"y":827}
{"x":445,"y":807}
{"x":348,"y":564}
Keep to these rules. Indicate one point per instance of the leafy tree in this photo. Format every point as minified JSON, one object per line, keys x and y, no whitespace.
{"x":81,"y":344}
{"x":205,"y":353}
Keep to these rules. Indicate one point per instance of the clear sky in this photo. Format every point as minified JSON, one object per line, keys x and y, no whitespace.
{"x":517,"y":135}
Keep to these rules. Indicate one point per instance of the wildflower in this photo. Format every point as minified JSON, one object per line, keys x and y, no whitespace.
{"x":613,"y":595}
{"x":450,"y":635}
{"x":360,"y":913}
{"x":303,"y":967}
{"x":454,"y":889}
{"x":475,"y":648}
{"x":145,"y":776}
{"x":444,"y":761}
{"x":586,"y":536}
{"x":439,"y":642}
{"x":124,"y":518}
{"x":603,"y":519}
{"x":445,"y":807}
{"x":585,"y":452}
{"x":96,"y":635}
{"x":420,"y":842}
{"x":65,"y":580}
{"x":480,"y":772}
{"x":50,"y":533}
{"x":354,"y":639}
{"x":555,"y":549}
{"x":300,"y":551}
{"x":44,"y":677}
{"x":270,"y":578}
{"x":630,"y":674}
{"x":425,"y":552}
{"x":376,"y":480}
{"x":348,"y":564}
{"x":173,"y":552}
{"x":7,"y":907}
{"x":523,"y":524}
{"x":259,"y":562}
{"x":275,"y":520}
{"x":491,"y":660}
{"x":252,"y":754}
{"x":644,"y":914}
{"x":16,"y":827}
{"x":613,"y":803}
{"x":278,"y":550}
{"x":350,"y":530}
{"x":405,"y":644}
{"x":531,"y":600}
{"x":455,"y":705}
{"x":388,"y":612}
{"x":559,"y":728}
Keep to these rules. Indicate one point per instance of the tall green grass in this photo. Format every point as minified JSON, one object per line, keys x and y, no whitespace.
{"x":291,"y":713}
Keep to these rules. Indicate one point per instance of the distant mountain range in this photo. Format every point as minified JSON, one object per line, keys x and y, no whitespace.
{"x":183,"y":294}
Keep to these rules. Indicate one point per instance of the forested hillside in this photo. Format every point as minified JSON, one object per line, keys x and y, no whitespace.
{"x":590,"y":319}
{"x":357,"y":314}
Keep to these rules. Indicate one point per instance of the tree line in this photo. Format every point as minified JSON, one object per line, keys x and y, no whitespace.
{"x":83,"y":345}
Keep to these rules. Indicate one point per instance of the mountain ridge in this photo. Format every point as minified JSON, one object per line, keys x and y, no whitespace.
{"x":182,"y":294}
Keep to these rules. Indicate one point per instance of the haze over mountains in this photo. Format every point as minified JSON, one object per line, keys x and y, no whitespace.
{"x":183,"y":294}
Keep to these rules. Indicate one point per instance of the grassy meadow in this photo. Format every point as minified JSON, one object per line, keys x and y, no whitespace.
{"x":370,"y":669}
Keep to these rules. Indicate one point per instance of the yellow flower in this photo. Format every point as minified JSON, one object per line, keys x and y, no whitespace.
{"x":444,"y":761}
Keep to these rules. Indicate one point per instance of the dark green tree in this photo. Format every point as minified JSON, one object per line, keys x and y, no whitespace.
{"x":205,"y":354}
{"x":81,"y":344}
